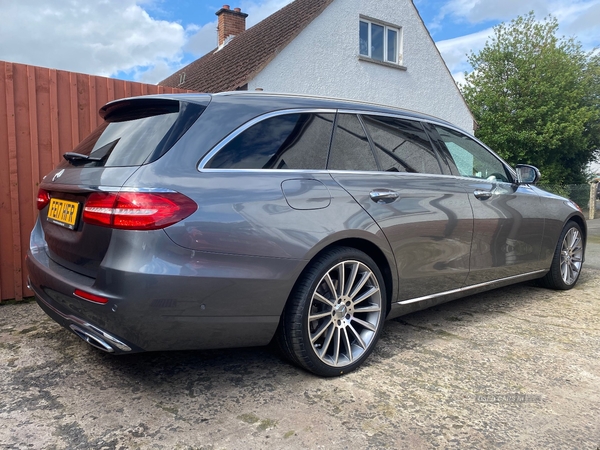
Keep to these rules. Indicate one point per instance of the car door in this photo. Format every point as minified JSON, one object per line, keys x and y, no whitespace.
{"x":508,"y":218}
{"x":395,"y":175}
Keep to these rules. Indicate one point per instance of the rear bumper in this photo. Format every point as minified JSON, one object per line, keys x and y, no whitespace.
{"x":211,"y":301}
{"x":92,"y":334}
{"x":51,"y":293}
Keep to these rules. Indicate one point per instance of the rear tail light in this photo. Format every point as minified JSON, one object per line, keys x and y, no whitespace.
{"x":43,"y":198}
{"x":137,"y":210}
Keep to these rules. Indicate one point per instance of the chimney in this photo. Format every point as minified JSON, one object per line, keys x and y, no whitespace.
{"x":231,"y":23}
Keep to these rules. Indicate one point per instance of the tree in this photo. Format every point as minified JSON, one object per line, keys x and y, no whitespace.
{"x":536,"y":98}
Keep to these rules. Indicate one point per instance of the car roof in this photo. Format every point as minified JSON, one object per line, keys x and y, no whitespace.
{"x":278,"y":101}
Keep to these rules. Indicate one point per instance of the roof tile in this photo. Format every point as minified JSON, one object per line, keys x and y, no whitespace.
{"x":247,"y":54}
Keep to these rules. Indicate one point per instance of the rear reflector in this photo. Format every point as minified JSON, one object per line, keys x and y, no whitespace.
{"x":91,"y":297}
{"x":43,"y":198}
{"x":137,"y":210}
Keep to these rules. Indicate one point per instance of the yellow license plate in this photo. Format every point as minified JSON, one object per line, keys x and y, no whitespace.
{"x":63,"y":212}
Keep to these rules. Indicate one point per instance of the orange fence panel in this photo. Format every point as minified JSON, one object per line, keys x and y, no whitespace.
{"x":43,"y":114}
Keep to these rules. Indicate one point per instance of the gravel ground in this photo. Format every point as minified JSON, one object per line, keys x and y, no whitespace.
{"x":518,"y":367}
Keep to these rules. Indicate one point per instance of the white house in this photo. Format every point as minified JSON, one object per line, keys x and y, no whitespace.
{"x":377,"y":51}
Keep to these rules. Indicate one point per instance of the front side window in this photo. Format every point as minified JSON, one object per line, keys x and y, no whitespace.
{"x":291,"y":141}
{"x":470,"y":159}
{"x":401,"y":145}
{"x":379,"y":42}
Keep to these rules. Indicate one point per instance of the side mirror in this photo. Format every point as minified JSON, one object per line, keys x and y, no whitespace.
{"x":527,"y":174}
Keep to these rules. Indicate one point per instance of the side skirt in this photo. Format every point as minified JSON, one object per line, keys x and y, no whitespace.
{"x":417,"y":304}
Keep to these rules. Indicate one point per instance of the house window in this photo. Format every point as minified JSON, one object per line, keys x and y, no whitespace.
{"x":380,"y":41}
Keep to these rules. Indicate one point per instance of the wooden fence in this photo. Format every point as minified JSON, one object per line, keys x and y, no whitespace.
{"x":43,"y":114}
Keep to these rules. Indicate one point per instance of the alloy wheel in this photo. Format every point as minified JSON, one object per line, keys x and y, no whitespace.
{"x":344,"y":313}
{"x":571,"y":256}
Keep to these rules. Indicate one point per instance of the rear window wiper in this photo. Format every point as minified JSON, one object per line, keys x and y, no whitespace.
{"x":100,"y":154}
{"x":77,"y":158}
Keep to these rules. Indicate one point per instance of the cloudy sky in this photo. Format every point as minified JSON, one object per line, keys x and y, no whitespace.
{"x":147,"y":40}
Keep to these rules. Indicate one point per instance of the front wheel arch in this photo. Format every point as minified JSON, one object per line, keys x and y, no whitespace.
{"x":567,"y":260}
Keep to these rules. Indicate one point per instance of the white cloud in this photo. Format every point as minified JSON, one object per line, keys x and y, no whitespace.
{"x":205,"y":38}
{"x":454,"y":51}
{"x":578,"y":19}
{"x":259,"y":10}
{"x":100,"y":37}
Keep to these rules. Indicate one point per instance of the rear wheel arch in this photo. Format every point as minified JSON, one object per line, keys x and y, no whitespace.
{"x":387,"y":267}
{"x":335,"y":310}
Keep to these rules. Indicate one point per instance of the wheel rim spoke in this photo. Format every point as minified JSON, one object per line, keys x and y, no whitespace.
{"x":347,"y":344}
{"x":367,"y":325}
{"x":357,"y":336}
{"x":320,"y":331}
{"x":341,"y":280}
{"x":363,"y":280}
{"x":367,"y":309}
{"x":323,"y":299}
{"x":336,"y":346}
{"x":351,"y":280}
{"x":320,"y":315}
{"x":331,"y":286}
{"x":325,"y":347}
{"x":367,"y":294}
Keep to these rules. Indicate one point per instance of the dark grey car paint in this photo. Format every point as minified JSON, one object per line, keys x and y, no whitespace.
{"x":429,"y":226}
{"x":221,"y":277}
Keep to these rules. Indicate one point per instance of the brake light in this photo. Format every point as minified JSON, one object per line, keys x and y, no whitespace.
{"x":90,"y":297}
{"x":137,"y":210}
{"x":43,"y":198}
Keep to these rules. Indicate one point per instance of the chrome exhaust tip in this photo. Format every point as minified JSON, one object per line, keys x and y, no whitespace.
{"x":91,"y":339}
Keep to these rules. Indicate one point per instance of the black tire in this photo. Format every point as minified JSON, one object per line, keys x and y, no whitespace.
{"x":330,"y":330}
{"x":567,"y":260}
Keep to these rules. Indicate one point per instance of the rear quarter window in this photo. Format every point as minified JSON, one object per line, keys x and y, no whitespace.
{"x":297,"y":141}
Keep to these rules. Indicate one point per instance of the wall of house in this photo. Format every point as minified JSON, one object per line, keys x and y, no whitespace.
{"x":43,"y":114}
{"x":323,"y":60}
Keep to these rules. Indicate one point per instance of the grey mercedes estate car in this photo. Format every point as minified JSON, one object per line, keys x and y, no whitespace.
{"x":201,"y":221}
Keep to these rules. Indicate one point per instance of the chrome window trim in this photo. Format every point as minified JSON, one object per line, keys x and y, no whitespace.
{"x":469,"y":288}
{"x":253,"y":122}
{"x":86,"y":188}
{"x":147,"y":190}
{"x":400,"y":115}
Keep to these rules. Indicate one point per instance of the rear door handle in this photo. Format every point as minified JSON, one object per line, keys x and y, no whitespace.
{"x":383,"y":195}
{"x":481,"y":194}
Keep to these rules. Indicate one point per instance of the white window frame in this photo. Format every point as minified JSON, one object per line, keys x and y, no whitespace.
{"x":387,"y":26}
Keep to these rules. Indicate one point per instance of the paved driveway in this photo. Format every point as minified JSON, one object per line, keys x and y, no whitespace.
{"x":518,"y":367}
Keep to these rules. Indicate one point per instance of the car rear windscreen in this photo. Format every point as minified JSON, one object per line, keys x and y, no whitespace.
{"x":136,"y":133}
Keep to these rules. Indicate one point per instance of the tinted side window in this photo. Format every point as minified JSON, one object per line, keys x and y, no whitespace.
{"x":350,"y":149}
{"x":291,"y":141}
{"x":401,"y":145}
{"x":470,"y":158}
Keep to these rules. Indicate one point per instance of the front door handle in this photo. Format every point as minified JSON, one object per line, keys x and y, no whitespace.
{"x":383,"y":195}
{"x":481,"y":194}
